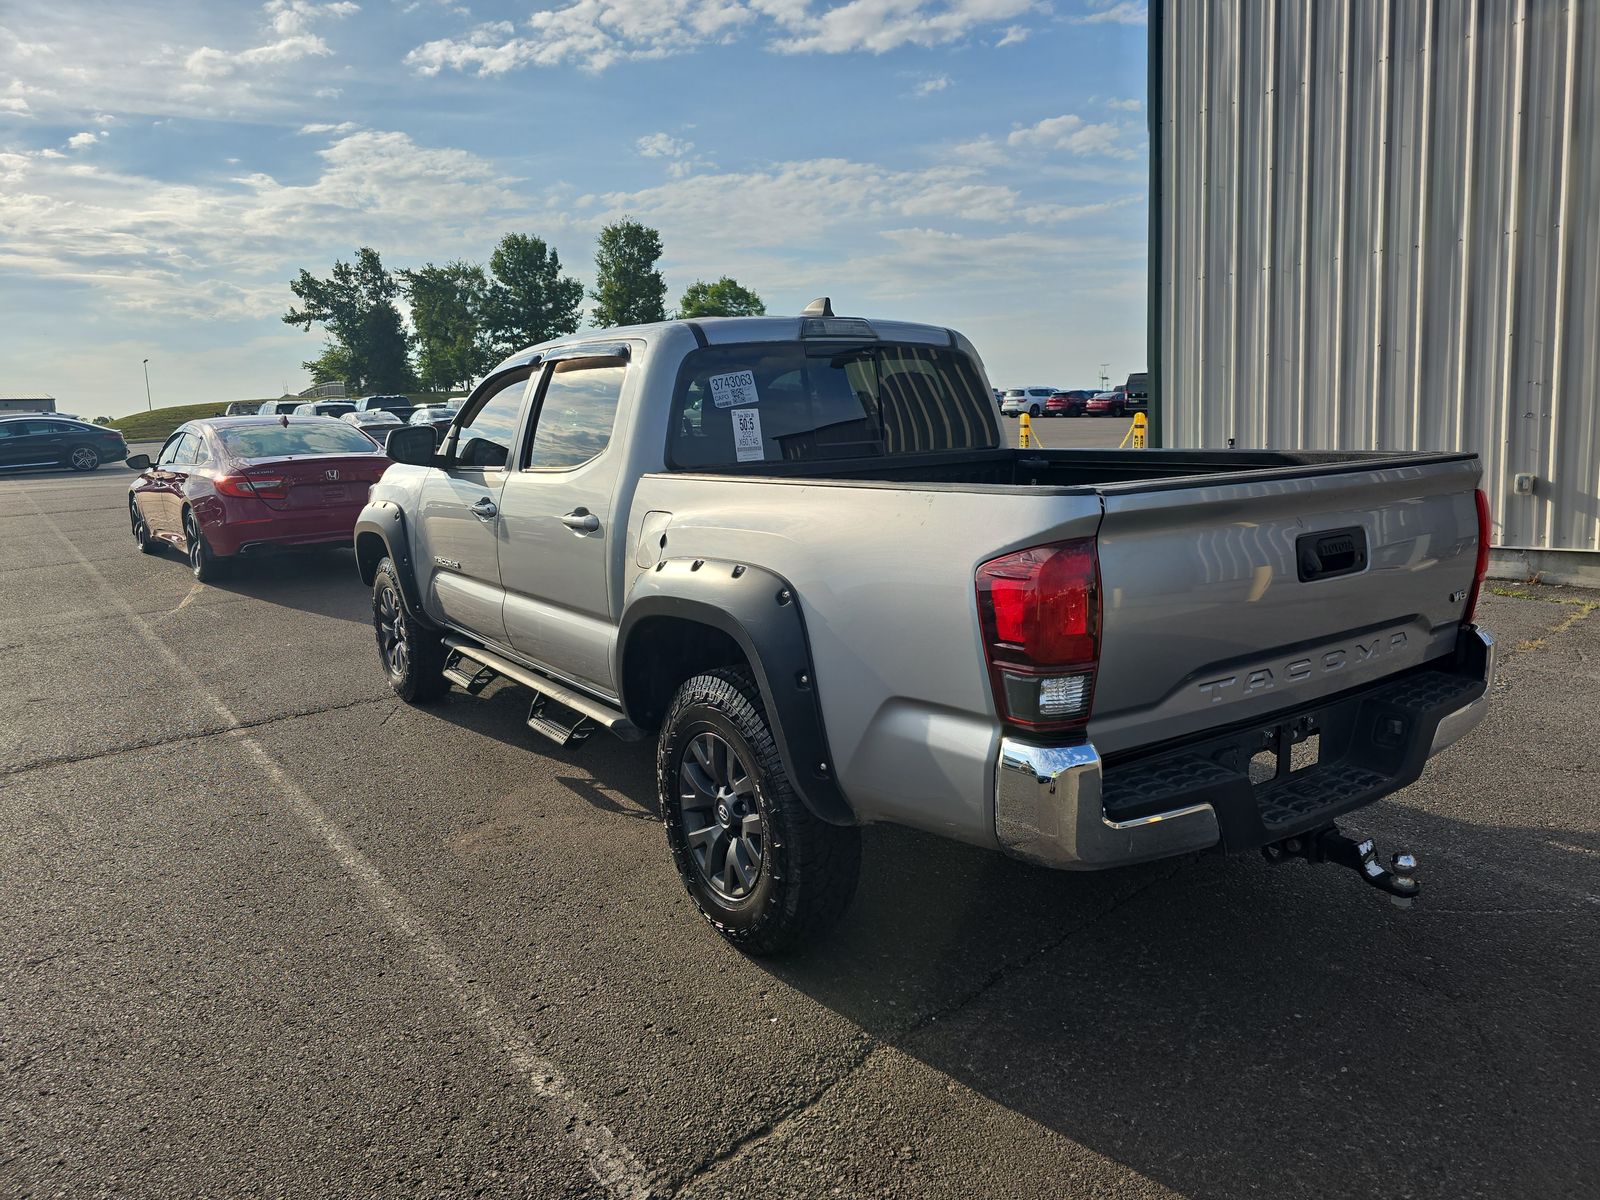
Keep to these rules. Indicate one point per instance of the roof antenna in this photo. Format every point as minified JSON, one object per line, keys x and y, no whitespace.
{"x":822,"y":306}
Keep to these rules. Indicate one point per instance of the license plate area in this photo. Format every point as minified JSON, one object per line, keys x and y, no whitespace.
{"x":334,"y":494}
{"x":1285,"y":750}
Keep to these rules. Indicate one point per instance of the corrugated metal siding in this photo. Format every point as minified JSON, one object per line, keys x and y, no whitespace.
{"x":1379,"y":228}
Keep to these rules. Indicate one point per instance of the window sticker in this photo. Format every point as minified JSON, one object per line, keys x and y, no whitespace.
{"x":747,"y":435}
{"x":734,"y":389}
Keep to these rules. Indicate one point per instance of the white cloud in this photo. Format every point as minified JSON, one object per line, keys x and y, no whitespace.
{"x":79,"y":141}
{"x":1013,"y":35}
{"x":663,"y":145}
{"x":1067,"y":134}
{"x":1122,"y":12}
{"x":596,"y":34}
{"x":932,"y":84}
{"x":1129,"y":105}
{"x":341,"y":127}
{"x":290,"y":20}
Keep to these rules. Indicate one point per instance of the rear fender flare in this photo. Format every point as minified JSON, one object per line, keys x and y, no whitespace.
{"x":760,"y":611}
{"x":386,"y":522}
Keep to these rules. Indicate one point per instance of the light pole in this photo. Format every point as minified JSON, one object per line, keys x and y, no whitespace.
{"x":148,"y":405}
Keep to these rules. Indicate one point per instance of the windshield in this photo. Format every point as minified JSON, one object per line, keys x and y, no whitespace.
{"x":278,"y":441}
{"x":794,"y":402}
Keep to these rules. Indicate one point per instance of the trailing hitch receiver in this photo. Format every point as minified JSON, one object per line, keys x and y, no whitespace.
{"x":1329,"y":845}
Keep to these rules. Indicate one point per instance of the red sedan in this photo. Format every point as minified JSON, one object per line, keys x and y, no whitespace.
{"x":236,"y":485}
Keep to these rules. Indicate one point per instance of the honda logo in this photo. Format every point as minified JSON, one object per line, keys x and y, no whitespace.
{"x":331,"y":475}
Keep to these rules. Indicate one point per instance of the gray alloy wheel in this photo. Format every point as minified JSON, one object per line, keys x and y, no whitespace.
{"x":205,"y":565}
{"x":83,"y":458}
{"x":721,"y":822}
{"x":390,"y":618}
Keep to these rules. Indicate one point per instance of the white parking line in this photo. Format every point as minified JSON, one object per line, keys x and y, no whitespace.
{"x":612,"y":1165}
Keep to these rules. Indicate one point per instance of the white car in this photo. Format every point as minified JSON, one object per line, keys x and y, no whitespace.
{"x":1028,"y":400}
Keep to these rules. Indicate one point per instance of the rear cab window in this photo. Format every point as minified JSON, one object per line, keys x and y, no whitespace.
{"x":793,"y":402}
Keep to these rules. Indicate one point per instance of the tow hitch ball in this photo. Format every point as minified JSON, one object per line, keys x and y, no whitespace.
{"x":1329,"y":845}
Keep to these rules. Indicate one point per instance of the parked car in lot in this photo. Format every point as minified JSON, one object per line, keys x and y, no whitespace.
{"x":239,"y":485}
{"x":1106,"y":404}
{"x":242,"y":408}
{"x":1067,"y":404}
{"x":324,"y":408}
{"x":437,"y":415}
{"x":698,"y":533}
{"x":1137,"y":389}
{"x":1029,"y":400}
{"x":400,"y":406}
{"x":277,"y":408}
{"x":375,"y":423}
{"x":49,"y":441}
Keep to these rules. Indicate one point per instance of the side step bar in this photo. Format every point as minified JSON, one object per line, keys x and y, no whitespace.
{"x":585,"y":707}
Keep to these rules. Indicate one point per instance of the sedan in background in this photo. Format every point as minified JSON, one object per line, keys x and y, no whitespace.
{"x":1107,"y":404}
{"x":1068,"y":404}
{"x":375,"y":423}
{"x":229,"y":486}
{"x":49,"y":441}
{"x":324,"y":408}
{"x":439,"y":416}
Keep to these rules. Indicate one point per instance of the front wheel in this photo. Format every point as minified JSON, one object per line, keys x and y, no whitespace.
{"x":1033,"y":410}
{"x":413,"y":657}
{"x":205,"y":563}
{"x":759,"y":866}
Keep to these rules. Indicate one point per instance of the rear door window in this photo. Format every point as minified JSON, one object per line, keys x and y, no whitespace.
{"x":794,"y":402}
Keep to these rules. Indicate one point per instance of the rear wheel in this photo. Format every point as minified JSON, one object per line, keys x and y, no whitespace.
{"x":760,"y":867}
{"x":1119,"y":411}
{"x":413,"y":657}
{"x":83,"y":458}
{"x":207,"y":566}
{"x":142,"y":537}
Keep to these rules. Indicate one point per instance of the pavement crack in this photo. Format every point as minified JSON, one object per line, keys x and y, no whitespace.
{"x":67,"y":760}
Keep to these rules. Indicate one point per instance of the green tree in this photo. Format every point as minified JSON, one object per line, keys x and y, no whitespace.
{"x":530,"y":300}
{"x":367,"y":341}
{"x":628,"y":290}
{"x":724,"y":298}
{"x":449,"y":311}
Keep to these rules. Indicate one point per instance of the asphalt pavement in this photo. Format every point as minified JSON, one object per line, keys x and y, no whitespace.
{"x":264,"y":930}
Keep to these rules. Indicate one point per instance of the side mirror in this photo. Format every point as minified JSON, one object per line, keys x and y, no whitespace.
{"x":413,"y":445}
{"x":139,"y":462}
{"x":481,"y":452}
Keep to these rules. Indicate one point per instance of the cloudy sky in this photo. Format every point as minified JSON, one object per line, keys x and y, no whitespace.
{"x":166,"y":168}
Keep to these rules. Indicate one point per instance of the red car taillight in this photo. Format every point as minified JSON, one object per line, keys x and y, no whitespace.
{"x":1482,"y":569}
{"x":1040,"y":612}
{"x":251,"y":487}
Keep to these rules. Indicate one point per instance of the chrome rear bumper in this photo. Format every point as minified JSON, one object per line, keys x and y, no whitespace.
{"x":1048,"y":807}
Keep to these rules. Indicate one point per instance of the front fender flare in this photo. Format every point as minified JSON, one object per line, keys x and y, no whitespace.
{"x":387,"y":521}
{"x":760,"y":611}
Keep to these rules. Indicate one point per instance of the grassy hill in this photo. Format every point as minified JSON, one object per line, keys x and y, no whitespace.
{"x":155,"y":426}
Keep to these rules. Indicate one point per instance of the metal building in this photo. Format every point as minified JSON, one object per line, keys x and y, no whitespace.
{"x":1375,"y":224}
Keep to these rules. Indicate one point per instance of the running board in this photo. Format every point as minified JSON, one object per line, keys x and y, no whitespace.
{"x":583,"y":706}
{"x":559,"y":731}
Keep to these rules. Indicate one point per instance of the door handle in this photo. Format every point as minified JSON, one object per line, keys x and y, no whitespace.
{"x":582,"y":520}
{"x":486,"y":508}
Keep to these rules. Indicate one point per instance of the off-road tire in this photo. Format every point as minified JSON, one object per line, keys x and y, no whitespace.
{"x":808,"y":867}
{"x":147,"y":542}
{"x":205,"y":564}
{"x":412,"y":656}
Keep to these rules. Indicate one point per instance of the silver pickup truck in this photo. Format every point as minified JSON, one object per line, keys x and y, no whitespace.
{"x":798,"y":552}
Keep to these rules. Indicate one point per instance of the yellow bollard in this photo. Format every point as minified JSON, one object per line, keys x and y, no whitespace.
{"x":1137,"y":433}
{"x":1024,"y":431}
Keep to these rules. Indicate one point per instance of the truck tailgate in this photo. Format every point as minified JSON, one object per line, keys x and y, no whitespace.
{"x":1229,"y":599}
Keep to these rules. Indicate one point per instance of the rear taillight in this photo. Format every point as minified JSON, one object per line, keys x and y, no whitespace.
{"x":251,"y":487}
{"x":1482,"y":569}
{"x":1040,"y":612}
